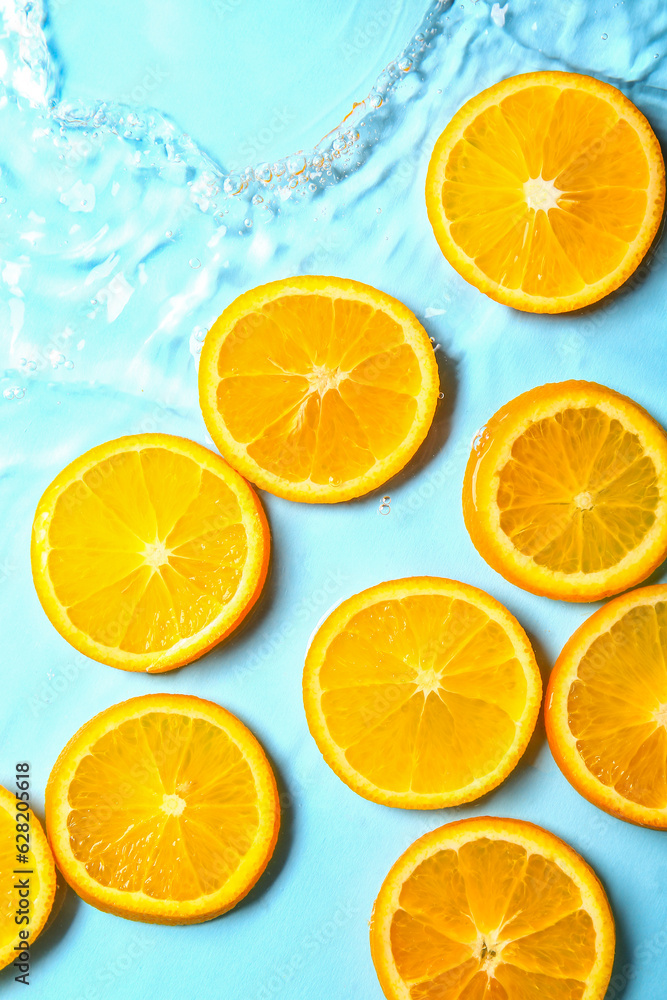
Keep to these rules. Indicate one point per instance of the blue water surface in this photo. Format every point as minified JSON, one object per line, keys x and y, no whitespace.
{"x":156,"y":160}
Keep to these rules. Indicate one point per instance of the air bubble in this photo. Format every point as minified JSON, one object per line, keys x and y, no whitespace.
{"x":194,"y":262}
{"x":233,"y":184}
{"x":247,"y":223}
{"x":385,"y":506}
{"x":69,"y":365}
{"x":404,"y":64}
{"x":257,"y":199}
{"x":263,"y":173}
{"x":441,"y":395}
{"x":605,"y":36}
{"x":375,"y":101}
{"x":296,"y":164}
{"x":169,"y":234}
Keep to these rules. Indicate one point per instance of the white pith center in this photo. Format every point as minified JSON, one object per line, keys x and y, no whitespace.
{"x":157,"y":554}
{"x":428,"y":679}
{"x":323,"y":378}
{"x":661,"y":716}
{"x":541,"y":194}
{"x":172,"y":805}
{"x":488,"y":950}
{"x":584,"y":501}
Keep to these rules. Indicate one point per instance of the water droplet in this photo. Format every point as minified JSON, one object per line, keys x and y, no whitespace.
{"x":441,"y":395}
{"x":375,"y":101}
{"x":8,"y":394}
{"x":31,"y":366}
{"x":169,"y":234}
{"x":404,"y":64}
{"x":22,"y":362}
{"x":293,"y":181}
{"x":296,"y":164}
{"x":233,"y":184}
{"x":263,"y":172}
{"x":247,"y":223}
{"x":194,"y":262}
{"x":3,"y":200}
{"x":339,"y":144}
{"x":657,"y":55}
{"x":312,"y":187}
{"x":385,"y":506}
{"x":69,"y":364}
{"x":257,"y":199}
{"x":605,"y":36}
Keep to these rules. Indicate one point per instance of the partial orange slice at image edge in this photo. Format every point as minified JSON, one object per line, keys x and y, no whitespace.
{"x":492,"y":908}
{"x":28,"y":887}
{"x":606,"y":708}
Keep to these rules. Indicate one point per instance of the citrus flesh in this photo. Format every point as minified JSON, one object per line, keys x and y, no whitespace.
{"x":606,"y":708}
{"x":147,"y":550}
{"x":546,"y":190}
{"x":421,"y":693}
{"x":492,"y":909}
{"x":37,"y":869}
{"x":164,"y":809}
{"x":565,"y":492}
{"x":316,"y":388}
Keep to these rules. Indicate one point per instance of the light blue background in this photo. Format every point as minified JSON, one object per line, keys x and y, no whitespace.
{"x":303,"y":931}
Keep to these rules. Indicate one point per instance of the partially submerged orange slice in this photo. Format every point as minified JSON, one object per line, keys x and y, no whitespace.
{"x":492,"y":909}
{"x":164,"y":809}
{"x":317,"y":389}
{"x":565,"y":492}
{"x":606,"y":708}
{"x":147,"y":550}
{"x":421,"y":693}
{"x":546,"y":190}
{"x":28,"y":886}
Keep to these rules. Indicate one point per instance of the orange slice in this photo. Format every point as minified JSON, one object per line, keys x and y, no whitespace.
{"x":317,"y":389}
{"x":565,"y":492}
{"x":164,"y":809}
{"x":546,"y":190}
{"x":147,"y":550}
{"x":421,"y":693}
{"x":28,"y":887}
{"x":606,"y":708}
{"x":492,"y":909}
